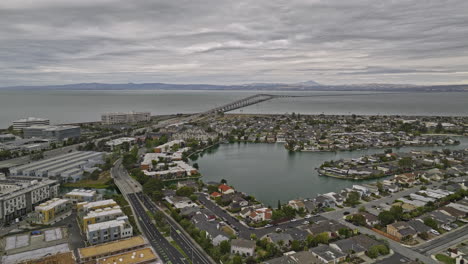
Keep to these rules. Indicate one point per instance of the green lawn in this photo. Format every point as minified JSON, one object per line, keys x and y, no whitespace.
{"x":101,"y":183}
{"x":445,"y":259}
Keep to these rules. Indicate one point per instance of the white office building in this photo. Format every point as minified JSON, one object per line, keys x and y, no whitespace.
{"x":18,"y":125}
{"x":132,"y":117}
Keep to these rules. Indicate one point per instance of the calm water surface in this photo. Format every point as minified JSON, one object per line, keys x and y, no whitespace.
{"x":271,"y":173}
{"x":81,"y":106}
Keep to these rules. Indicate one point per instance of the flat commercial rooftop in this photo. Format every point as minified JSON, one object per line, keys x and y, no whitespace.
{"x":111,"y":247}
{"x":131,"y":257}
{"x":36,"y":254}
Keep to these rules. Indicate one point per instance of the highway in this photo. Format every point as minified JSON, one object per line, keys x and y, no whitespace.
{"x":165,"y":250}
{"x":190,"y":247}
{"x":442,"y":242}
{"x":133,"y":190}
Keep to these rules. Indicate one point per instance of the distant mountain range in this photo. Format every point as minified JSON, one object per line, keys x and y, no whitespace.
{"x":302,"y":86}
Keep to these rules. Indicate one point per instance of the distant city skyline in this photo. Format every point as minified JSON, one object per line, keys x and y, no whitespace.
{"x":51,"y":42}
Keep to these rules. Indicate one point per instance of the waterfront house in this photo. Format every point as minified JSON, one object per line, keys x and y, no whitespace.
{"x":324,"y":201}
{"x":296,"y":204}
{"x":225,"y":189}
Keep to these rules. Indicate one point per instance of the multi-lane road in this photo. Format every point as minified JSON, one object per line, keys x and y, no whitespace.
{"x":165,"y":250}
{"x":140,"y":204}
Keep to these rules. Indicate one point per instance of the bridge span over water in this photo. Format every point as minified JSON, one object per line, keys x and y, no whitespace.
{"x":251,"y":100}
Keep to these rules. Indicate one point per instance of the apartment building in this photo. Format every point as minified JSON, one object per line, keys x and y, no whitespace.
{"x":109,"y":231}
{"x":51,"y":210}
{"x":118,"y":117}
{"x":85,"y":207}
{"x":81,"y":195}
{"x":102,"y":215}
{"x":20,"y":196}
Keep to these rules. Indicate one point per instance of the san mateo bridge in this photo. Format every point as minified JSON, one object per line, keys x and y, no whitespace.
{"x":251,"y":100}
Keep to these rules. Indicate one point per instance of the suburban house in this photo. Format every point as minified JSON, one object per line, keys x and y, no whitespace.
{"x":261,"y":214}
{"x":243,"y":247}
{"x":371,"y":219}
{"x":180,"y":202}
{"x":356,"y":245}
{"x":327,"y":254}
{"x":403,"y":229}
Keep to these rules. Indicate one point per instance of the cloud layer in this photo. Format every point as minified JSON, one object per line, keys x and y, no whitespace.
{"x":227,"y":42}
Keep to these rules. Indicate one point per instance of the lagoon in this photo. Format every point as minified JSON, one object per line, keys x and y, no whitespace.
{"x":271,"y":173}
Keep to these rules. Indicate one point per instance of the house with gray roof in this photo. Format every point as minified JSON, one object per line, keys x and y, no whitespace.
{"x":243,"y":247}
{"x":327,"y":254}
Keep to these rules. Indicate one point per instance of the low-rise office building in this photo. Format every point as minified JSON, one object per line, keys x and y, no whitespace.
{"x":19,"y":124}
{"x":132,"y":117}
{"x":58,"y":133}
{"x":67,"y":167}
{"x":109,"y":231}
{"x":19,"y":197}
{"x":81,"y":195}
{"x":112,"y":144}
{"x":52,"y":209}
{"x":7,"y":137}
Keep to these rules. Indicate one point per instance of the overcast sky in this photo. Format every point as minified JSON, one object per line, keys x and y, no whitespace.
{"x":231,"y":42}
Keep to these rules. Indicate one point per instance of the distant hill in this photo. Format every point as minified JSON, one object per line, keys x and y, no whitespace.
{"x":302,"y":86}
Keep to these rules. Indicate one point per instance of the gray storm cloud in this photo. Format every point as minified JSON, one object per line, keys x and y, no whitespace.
{"x":226,"y":42}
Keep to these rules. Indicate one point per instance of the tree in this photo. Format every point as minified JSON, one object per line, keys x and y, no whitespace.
{"x":362,"y":209}
{"x":373,"y":252}
{"x":380,"y":186}
{"x":397,"y":212}
{"x":223,"y":181}
{"x":237,"y":260}
{"x":353,"y":198}
{"x":185,"y":191}
{"x":406,"y":162}
{"x":358,"y":219}
{"x":152,"y":185}
{"x":322,"y":238}
{"x":430,"y":222}
{"x":279,"y":205}
{"x":253,"y":236}
{"x":386,"y":218}
{"x":195,"y":165}
{"x":296,"y":245}
{"x":225,"y":247}
{"x":157,"y":196}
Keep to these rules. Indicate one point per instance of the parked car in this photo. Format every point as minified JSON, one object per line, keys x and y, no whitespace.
{"x":306,"y":223}
{"x":434,"y":232}
{"x":308,"y":216}
{"x":269,"y":225}
{"x":293,"y":220}
{"x":345,"y":213}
